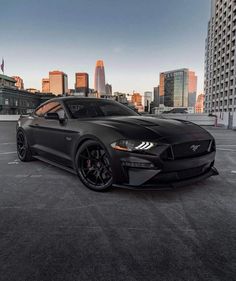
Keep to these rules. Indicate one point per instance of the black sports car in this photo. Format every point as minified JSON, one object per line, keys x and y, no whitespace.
{"x":107,"y":144}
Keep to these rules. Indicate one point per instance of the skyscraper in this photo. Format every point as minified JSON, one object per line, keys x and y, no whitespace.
{"x":108,"y":89}
{"x":178,"y":88}
{"x":220,"y":60}
{"x":192,"y":89}
{"x":58,"y":82}
{"x":199,"y":104}
{"x":45,"y":85}
{"x":99,"y":79}
{"x":82,"y":83}
{"x":147,"y":98}
{"x":156,"y":95}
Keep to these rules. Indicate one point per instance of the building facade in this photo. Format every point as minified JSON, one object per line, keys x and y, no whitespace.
{"x":199,"y":104}
{"x":178,"y":88}
{"x":156,"y":96}
{"x":82,"y":83}
{"x":108,"y":89}
{"x":99,"y":78}
{"x":147,"y":99}
{"x":220,"y":58}
{"x":192,"y":88}
{"x":136,"y":100}
{"x":19,"y":82}
{"x":15,"y":101}
{"x":58,"y":83}
{"x":45,"y":85}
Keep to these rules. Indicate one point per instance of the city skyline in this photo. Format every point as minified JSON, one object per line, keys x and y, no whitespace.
{"x":136,"y":43}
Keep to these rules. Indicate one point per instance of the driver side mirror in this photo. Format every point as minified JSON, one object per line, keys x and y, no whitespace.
{"x":52,"y":116}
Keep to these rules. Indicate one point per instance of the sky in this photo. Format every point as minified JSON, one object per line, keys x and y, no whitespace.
{"x":136,"y":39}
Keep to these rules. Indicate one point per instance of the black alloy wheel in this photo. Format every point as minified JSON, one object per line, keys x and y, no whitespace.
{"x":93,"y":166}
{"x":23,"y":149}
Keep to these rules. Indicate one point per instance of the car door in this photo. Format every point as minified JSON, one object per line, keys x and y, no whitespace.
{"x":52,"y":137}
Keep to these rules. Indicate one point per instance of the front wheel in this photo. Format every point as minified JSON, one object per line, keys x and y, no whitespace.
{"x":23,"y":149}
{"x":93,"y":166}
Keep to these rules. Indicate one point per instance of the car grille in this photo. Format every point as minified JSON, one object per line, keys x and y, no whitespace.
{"x":165,"y":178}
{"x":188,"y":150}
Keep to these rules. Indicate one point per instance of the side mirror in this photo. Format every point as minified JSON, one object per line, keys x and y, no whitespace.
{"x":52,"y":116}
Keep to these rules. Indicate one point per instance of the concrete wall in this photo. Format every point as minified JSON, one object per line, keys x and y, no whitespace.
{"x":9,"y":117}
{"x":199,"y":119}
{"x":234,"y":121}
{"x":222,"y":119}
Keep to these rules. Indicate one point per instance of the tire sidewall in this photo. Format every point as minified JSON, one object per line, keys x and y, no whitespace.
{"x":28,"y":156}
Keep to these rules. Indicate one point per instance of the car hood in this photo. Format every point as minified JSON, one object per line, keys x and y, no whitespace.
{"x":153,"y":128}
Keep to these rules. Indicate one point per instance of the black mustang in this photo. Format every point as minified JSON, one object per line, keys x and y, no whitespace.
{"x":107,"y":144}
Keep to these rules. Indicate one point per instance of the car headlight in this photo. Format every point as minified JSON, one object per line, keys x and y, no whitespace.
{"x":132,"y":145}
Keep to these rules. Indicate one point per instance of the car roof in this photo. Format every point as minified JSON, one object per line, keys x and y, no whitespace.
{"x":76,"y":98}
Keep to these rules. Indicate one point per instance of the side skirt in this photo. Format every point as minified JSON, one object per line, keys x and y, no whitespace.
{"x":70,"y":170}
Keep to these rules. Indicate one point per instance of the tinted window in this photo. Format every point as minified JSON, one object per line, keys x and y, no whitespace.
{"x":42,"y":110}
{"x":80,"y":108}
{"x":59,"y":110}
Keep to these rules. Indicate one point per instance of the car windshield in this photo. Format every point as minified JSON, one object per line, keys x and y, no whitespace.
{"x":79,"y":108}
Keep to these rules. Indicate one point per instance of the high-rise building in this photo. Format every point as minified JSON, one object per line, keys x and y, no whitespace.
{"x":45,"y":85}
{"x":156,"y":96}
{"x":136,"y":99}
{"x":108,"y":89}
{"x":220,"y":60}
{"x":147,"y":99}
{"x":121,"y":97}
{"x":58,"y":82}
{"x":178,"y":88}
{"x":192,"y":88}
{"x":19,"y":82}
{"x":82,"y":83}
{"x":162,"y":88}
{"x":199,"y":104}
{"x":99,"y":79}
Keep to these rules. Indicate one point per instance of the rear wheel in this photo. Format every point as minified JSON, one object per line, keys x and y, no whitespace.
{"x":23,"y":149}
{"x":93,"y":166}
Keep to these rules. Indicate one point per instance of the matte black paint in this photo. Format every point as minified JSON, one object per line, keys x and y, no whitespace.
{"x":59,"y":142}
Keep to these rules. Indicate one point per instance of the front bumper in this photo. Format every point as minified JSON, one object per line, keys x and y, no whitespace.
{"x":211,"y":172}
{"x":146,"y":171}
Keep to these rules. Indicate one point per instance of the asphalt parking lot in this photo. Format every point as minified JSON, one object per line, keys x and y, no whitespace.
{"x":53,"y":228}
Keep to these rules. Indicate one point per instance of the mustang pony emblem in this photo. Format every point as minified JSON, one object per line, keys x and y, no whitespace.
{"x":194,"y":147}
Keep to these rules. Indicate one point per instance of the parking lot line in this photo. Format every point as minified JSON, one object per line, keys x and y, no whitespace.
{"x":226,"y":145}
{"x":5,"y":153}
{"x":7,"y":143}
{"x":226,"y":149}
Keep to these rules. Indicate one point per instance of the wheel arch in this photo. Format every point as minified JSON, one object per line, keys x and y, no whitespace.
{"x":82,"y":140}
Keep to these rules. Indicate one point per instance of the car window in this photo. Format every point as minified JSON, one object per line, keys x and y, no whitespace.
{"x":41,"y":111}
{"x":101,"y":108}
{"x":59,"y":110}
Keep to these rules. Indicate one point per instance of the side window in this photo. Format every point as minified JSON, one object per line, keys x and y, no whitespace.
{"x":59,"y":110}
{"x":41,"y":111}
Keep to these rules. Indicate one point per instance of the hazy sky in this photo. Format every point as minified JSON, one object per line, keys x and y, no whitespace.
{"x":136,"y":39}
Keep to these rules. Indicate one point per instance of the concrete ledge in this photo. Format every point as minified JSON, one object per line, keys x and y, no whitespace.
{"x":10,"y":118}
{"x":199,"y":119}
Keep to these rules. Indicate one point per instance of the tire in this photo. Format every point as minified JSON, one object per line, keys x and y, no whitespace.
{"x":93,"y":166}
{"x":23,"y":150}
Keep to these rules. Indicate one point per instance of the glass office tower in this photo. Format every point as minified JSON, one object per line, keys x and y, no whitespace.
{"x":99,"y":79}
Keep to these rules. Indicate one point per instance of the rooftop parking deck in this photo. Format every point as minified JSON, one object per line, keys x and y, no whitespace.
{"x":53,"y":228}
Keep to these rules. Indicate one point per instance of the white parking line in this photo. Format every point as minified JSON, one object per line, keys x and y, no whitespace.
{"x":233,"y":172}
{"x":7,"y":143}
{"x":226,"y":145}
{"x":5,"y":153}
{"x":225,"y":149}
